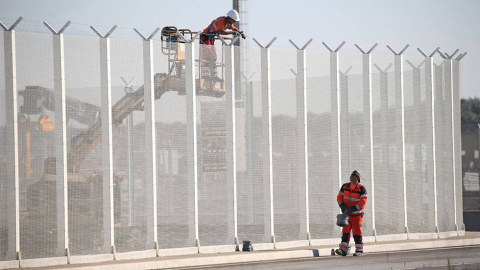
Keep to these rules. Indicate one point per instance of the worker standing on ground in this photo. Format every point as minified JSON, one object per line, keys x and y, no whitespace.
{"x":352,"y":199}
{"x":221,"y":26}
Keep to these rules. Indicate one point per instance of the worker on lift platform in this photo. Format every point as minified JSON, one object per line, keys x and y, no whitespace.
{"x":217,"y":27}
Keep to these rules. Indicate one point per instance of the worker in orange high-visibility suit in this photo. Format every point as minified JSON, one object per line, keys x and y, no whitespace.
{"x":217,"y":27}
{"x":352,"y":199}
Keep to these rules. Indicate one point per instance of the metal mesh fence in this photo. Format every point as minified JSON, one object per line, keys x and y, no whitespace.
{"x":3,"y":161}
{"x":129,"y":146}
{"x":85,"y":180}
{"x":213,"y":190}
{"x":287,"y":180}
{"x":443,"y":118}
{"x":323,"y":185}
{"x":389,"y":209}
{"x":355,"y":127}
{"x":220,"y":220}
{"x":173,"y":217}
{"x":252,"y":186}
{"x":38,"y":209}
{"x":420,"y":200}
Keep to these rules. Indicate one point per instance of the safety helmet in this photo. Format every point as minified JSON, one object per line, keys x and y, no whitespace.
{"x":234,"y":15}
{"x":356,"y":174}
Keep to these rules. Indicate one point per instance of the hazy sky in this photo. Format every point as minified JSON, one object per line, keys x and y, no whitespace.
{"x":449,"y":24}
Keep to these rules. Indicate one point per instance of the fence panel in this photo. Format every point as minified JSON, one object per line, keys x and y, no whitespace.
{"x":129,"y":147}
{"x":41,"y":222}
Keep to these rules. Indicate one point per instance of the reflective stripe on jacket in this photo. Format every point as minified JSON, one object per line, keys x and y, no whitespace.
{"x":216,"y":25}
{"x":353,"y":195}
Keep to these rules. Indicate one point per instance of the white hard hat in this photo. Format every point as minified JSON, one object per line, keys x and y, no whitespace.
{"x":234,"y":15}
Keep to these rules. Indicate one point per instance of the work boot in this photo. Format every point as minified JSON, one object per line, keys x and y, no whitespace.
{"x":340,"y":252}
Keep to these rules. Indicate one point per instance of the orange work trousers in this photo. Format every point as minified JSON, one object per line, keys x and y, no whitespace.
{"x":354,"y":225}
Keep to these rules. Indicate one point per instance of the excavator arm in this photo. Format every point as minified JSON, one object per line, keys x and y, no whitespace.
{"x":83,"y":143}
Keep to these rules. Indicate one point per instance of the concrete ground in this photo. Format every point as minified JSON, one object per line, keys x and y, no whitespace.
{"x":306,"y":254}
{"x":441,"y":258}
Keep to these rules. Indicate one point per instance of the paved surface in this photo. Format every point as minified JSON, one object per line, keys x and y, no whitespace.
{"x":398,"y":254}
{"x":458,"y":258}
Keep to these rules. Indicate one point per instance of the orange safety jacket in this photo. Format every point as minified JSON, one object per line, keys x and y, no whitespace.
{"x":216,"y":25}
{"x":353,"y":196}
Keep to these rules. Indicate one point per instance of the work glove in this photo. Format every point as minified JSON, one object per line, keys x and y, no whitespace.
{"x":351,"y":210}
{"x":240,"y":34}
{"x":343,"y":208}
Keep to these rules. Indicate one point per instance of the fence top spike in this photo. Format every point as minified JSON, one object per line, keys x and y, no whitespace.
{"x":460,"y":57}
{"x":294,"y":45}
{"x":258,"y":43}
{"x":441,"y":54}
{"x":154,"y":33}
{"x":358,"y":47}
{"x":271,"y":42}
{"x":13,"y":25}
{"x":392,"y":50}
{"x":373,"y":47}
{"x":64,"y":27}
{"x":435,"y":51}
{"x":348,"y":70}
{"x":422,"y":52}
{"x":140,"y":33}
{"x":96,"y":31}
{"x":306,"y":44}
{"x":326,"y":46}
{"x":410,"y":63}
{"x":5,"y":28}
{"x":454,"y":53}
{"x":340,"y":46}
{"x":57,"y":32}
{"x":404,"y":49}
{"x":50,"y":28}
{"x":111,"y":31}
{"x":369,"y":51}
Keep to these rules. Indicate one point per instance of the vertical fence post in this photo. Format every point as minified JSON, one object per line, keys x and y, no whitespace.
{"x":249,"y":140}
{"x":192,"y":175}
{"x":430,"y":122}
{"x":368,"y":111}
{"x":384,"y":141}
{"x":267,"y":139}
{"x":345,"y":125}
{"x":131,"y":217}
{"x":458,"y":142}
{"x":302,"y":138}
{"x":417,"y":143}
{"x":60,"y":138}
{"x":400,"y":124}
{"x":336,"y":144}
{"x":11,"y":140}
{"x":231,"y":139}
{"x":150,"y":137}
{"x":107,"y":150}
{"x":450,"y":99}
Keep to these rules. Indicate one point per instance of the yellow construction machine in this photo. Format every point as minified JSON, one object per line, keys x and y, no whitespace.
{"x":38,"y":99}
